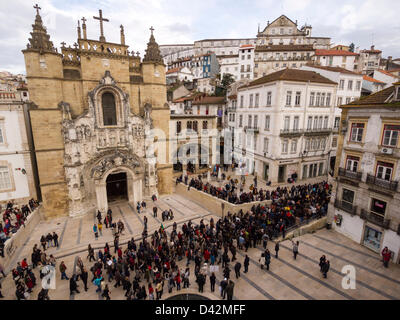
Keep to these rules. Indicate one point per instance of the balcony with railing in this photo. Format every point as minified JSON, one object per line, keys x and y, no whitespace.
{"x":291,"y":132}
{"x":375,"y":218}
{"x":350,"y":174}
{"x":346,"y":206}
{"x":385,"y":184}
{"x":251,"y":129}
{"x":318,"y":131}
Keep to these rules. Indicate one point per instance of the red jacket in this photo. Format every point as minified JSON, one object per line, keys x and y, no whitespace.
{"x":386,"y":255}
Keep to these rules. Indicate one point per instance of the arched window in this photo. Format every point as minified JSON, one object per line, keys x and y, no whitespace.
{"x":109,"y":109}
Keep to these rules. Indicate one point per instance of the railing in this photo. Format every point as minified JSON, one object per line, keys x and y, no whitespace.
{"x":248,"y":128}
{"x":318,"y":131}
{"x":350,"y":174}
{"x":291,"y":132}
{"x":386,"y":184}
{"x":377,"y":219}
{"x":346,"y":206}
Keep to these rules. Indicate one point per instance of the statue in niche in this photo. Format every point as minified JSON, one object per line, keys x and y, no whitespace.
{"x":65,"y":108}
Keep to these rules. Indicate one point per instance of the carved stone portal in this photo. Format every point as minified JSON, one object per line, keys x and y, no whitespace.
{"x":94,"y":151}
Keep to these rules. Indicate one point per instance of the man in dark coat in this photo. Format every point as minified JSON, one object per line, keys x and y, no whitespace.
{"x":325,"y":268}
{"x":246,"y":263}
{"x":229,"y":290}
{"x":237,"y":269}
{"x":201,"y":281}
{"x":72,"y":285}
{"x":223,"y":285}
{"x":84,"y":277}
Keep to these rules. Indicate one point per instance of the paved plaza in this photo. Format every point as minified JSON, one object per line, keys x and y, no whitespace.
{"x":287,"y":278}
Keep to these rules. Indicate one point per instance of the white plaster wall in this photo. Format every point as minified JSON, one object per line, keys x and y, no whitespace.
{"x":351,"y":227}
{"x":20,"y":179}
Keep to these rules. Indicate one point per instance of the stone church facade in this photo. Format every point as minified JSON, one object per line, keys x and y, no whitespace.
{"x":92,"y":110}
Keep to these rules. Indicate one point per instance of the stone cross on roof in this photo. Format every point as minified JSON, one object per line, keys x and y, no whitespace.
{"x":84,"y":20}
{"x":63,"y":44}
{"x":101,"y":19}
{"x":151,"y":29}
{"x":37,"y":8}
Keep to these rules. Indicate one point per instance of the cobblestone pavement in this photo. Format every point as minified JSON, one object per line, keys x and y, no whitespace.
{"x":287,"y":278}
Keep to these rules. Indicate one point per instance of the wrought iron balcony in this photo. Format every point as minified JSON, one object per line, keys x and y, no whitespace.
{"x":374,"y":218}
{"x":350,"y":174}
{"x":251,"y":129}
{"x":316,"y":131}
{"x":386,"y":184}
{"x":346,"y":206}
{"x":291,"y":132}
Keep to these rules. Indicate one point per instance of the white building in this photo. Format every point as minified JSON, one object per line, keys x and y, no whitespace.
{"x":206,"y":85}
{"x":287,"y":118}
{"x":385,"y":76}
{"x":246,"y":61}
{"x":178,"y":75}
{"x":16,"y":173}
{"x":367,"y":204}
{"x":369,"y":60}
{"x":371,"y":85}
{"x":229,"y":64}
{"x":348,"y":90}
{"x":336,"y":58}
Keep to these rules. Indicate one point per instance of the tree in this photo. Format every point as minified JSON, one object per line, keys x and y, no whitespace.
{"x":351,"y":47}
{"x":227,"y":80}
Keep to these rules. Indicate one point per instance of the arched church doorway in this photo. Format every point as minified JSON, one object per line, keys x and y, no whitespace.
{"x":117,"y":187}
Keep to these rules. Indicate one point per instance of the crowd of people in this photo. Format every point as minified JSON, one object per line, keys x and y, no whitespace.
{"x":13,"y":218}
{"x":148,"y":266}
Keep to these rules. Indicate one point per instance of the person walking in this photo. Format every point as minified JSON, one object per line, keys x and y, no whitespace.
{"x":322,"y":261}
{"x":223,"y":285}
{"x":155,"y":212}
{"x":95,"y":231}
{"x":386,"y":255}
{"x":229,"y":290}
{"x":106,"y":293}
{"x":246,"y":263}
{"x":100,"y":227}
{"x":295,"y":249}
{"x":276,"y":249}
{"x":238,"y":265}
{"x":159,"y":289}
{"x":91,"y":253}
{"x":325,"y":268}
{"x":267,"y":255}
{"x":212,"y":281}
{"x":73,"y":287}
{"x":62,"y":269}
{"x":98,"y":216}
{"x":55,"y":239}
{"x":201,"y":281}
{"x":84,"y":278}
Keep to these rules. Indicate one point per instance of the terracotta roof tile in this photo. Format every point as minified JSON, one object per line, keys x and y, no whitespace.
{"x":209,"y":100}
{"x":375,"y":99}
{"x":387,"y":73}
{"x":291,"y":75}
{"x":334,"y":69}
{"x":324,"y":52}
{"x":370,"y":79}
{"x":173,"y":70}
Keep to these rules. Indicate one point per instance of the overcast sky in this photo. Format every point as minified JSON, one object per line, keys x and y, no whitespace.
{"x":181,"y":21}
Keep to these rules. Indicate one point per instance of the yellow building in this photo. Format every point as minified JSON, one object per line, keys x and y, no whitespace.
{"x":93,"y":109}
